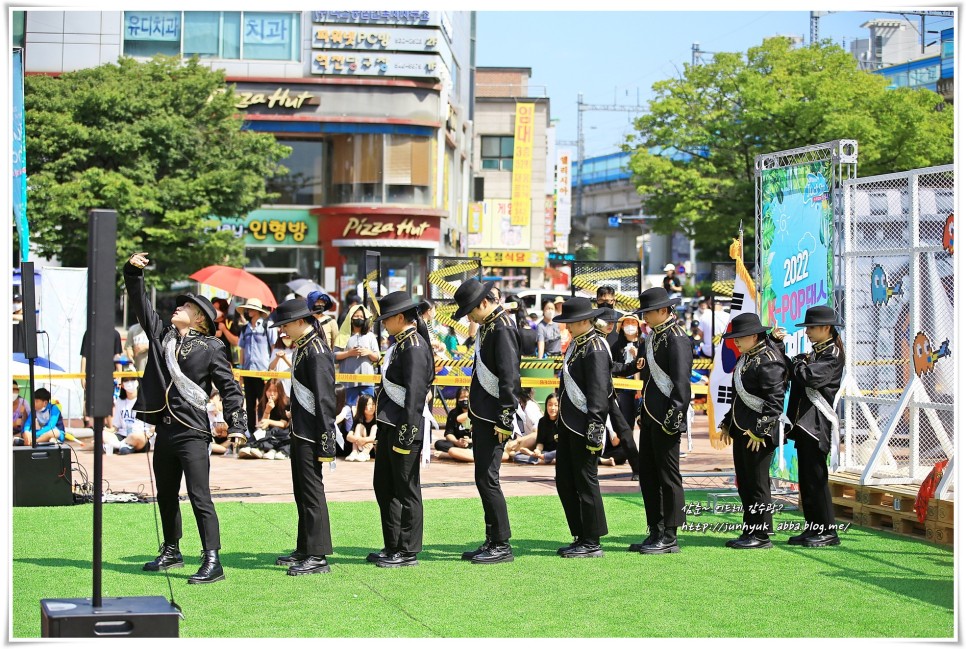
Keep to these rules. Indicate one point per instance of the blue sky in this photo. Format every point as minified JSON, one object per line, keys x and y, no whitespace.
{"x":616,"y":56}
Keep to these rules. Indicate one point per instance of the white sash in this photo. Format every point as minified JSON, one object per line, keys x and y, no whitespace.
{"x":190,"y":390}
{"x":488,"y":379}
{"x":395,"y":391}
{"x":663,"y":382}
{"x":576,"y":395}
{"x":755,"y":403}
{"x":302,"y":394}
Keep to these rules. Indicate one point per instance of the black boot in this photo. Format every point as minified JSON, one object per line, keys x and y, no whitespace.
{"x":655,"y":532}
{"x":667,"y":543}
{"x":586,"y":548}
{"x":568,"y":548}
{"x":471,"y":554}
{"x":210,"y":570}
{"x":170,"y":557}
{"x":291,"y":559}
{"x":496,"y":553}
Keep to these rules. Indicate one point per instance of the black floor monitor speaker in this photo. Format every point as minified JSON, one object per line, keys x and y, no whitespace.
{"x":41,"y":476}
{"x":117,"y":617}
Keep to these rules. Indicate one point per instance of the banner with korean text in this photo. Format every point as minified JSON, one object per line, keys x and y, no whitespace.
{"x":522,"y":164}
{"x":19,"y":157}
{"x":565,"y":159}
{"x":797,"y":261}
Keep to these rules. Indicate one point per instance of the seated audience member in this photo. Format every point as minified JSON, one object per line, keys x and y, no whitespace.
{"x":457,"y":442}
{"x":129,"y":434}
{"x":20,"y":414}
{"x":343,"y":421}
{"x":545,"y":450}
{"x":527,"y":438}
{"x":363,"y":435}
{"x":50,"y":422}
{"x":272,"y":428}
{"x":217,"y":424}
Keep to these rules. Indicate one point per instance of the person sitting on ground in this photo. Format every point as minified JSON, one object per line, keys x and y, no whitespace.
{"x":343,"y":422}
{"x":363,"y":435}
{"x":527,"y":439}
{"x":50,"y":422}
{"x":217,"y":424}
{"x":546,"y":448}
{"x":20,"y":416}
{"x":457,"y":440}
{"x":615,"y":453}
{"x":272,"y":428}
{"x":128,"y":434}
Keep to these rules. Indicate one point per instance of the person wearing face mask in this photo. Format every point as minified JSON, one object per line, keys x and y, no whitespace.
{"x":359,"y":354}
{"x":130,"y":434}
{"x":624,"y":350}
{"x":321,"y":306}
{"x":457,"y":442}
{"x":226,"y":329}
{"x":20,"y":414}
{"x":548,"y":333}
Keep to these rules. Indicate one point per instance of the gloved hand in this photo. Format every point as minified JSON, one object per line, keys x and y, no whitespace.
{"x":502,"y":435}
{"x":754,"y":442}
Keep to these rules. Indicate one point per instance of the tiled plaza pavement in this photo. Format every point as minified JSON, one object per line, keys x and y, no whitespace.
{"x":271,"y":480}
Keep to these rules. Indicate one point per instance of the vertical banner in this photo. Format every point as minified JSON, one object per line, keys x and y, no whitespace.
{"x":522,"y":164}
{"x":797,"y":264}
{"x":548,"y":223}
{"x":565,"y":159}
{"x":19,"y":156}
{"x":744,"y":299}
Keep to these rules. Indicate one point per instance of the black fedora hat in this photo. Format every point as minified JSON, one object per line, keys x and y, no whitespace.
{"x":290,"y":310}
{"x":469,"y":295}
{"x":819,"y":316}
{"x":579,"y":308}
{"x":746,"y":324}
{"x":200,"y":301}
{"x":656,"y":298}
{"x":395,"y":302}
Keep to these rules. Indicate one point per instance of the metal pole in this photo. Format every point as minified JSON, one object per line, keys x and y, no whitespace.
{"x":33,"y":408}
{"x":98,"y":518}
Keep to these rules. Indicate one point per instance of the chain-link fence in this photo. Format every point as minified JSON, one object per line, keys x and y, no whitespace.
{"x":899,"y":325}
{"x":623,"y":276}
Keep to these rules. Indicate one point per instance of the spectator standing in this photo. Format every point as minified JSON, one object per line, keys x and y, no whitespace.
{"x":548,"y":333}
{"x":360,"y":353}
{"x":452,"y":342}
{"x":528,"y":336}
{"x":671,"y":282}
{"x":321,"y":305}
{"x":226,"y":329}
{"x":256,"y":344}
{"x":136,"y":347}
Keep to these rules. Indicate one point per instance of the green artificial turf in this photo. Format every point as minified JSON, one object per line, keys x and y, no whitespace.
{"x":874,"y":585}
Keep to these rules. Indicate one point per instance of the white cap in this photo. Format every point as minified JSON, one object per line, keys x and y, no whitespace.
{"x":669,"y":267}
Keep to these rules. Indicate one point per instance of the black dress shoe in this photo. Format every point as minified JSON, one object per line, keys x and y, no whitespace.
{"x":665,"y":544}
{"x":741,"y":539}
{"x":311,"y":565}
{"x":568,"y":548}
{"x":584,"y":550}
{"x":210,"y":570}
{"x":653,"y":535}
{"x":291,"y":559}
{"x":752,"y":543}
{"x":170,"y":557}
{"x":472,"y":554}
{"x":496,"y":553}
{"x":799,"y":539}
{"x":822,"y":540}
{"x":398,"y":560}
{"x":373,"y":557}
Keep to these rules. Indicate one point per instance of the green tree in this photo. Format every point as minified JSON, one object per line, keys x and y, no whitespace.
{"x":158,"y":141}
{"x":775,"y":97}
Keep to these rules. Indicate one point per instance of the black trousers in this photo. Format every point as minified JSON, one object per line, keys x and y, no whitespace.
{"x":183,"y":452}
{"x":661,"y":484}
{"x":754,"y":486}
{"x":395,"y":479}
{"x":578,"y":487}
{"x":253,"y":389}
{"x":487,"y":456}
{"x":314,"y":534}
{"x":813,"y":484}
{"x":628,"y":410}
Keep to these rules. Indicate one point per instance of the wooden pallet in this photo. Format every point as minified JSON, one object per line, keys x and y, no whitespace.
{"x":941,"y":533}
{"x":941,"y":511}
{"x":890,"y":521}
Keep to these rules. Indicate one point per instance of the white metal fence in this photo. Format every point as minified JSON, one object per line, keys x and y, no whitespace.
{"x":899,"y":329}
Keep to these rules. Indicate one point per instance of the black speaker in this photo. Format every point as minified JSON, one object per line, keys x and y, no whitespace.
{"x":101,"y":296}
{"x":28,"y":327}
{"x":41,"y":476}
{"x":117,"y":617}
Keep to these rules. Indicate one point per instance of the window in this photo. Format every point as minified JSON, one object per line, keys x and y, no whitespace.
{"x":249,"y":35}
{"x":380,"y":168}
{"x":497,"y":152}
{"x":478,"y":187}
{"x":302,"y":185}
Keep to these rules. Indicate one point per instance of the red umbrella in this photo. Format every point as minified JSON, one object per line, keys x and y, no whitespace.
{"x":237,"y":281}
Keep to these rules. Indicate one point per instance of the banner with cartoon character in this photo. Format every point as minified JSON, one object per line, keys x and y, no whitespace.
{"x":797,"y":261}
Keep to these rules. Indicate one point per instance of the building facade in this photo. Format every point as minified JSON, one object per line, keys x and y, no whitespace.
{"x":374,"y":104}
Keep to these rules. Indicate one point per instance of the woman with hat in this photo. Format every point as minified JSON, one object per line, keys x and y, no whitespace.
{"x":321,"y":305}
{"x":256,"y":344}
{"x":815,"y":380}
{"x":407,"y":375}
{"x":312,"y":436}
{"x":493,"y":409}
{"x":759,"y":381}
{"x":585,"y":393}
{"x":184,"y":362}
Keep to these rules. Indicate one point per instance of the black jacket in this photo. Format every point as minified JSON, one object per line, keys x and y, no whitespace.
{"x":412,"y":367}
{"x":763,"y":375}
{"x":201,"y":358}
{"x":500,"y":351}
{"x":315,"y":369}
{"x":589,"y":366}
{"x":820,"y":369}
{"x":674,"y":354}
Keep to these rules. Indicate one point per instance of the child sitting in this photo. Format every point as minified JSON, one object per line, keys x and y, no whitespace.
{"x":50,"y":422}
